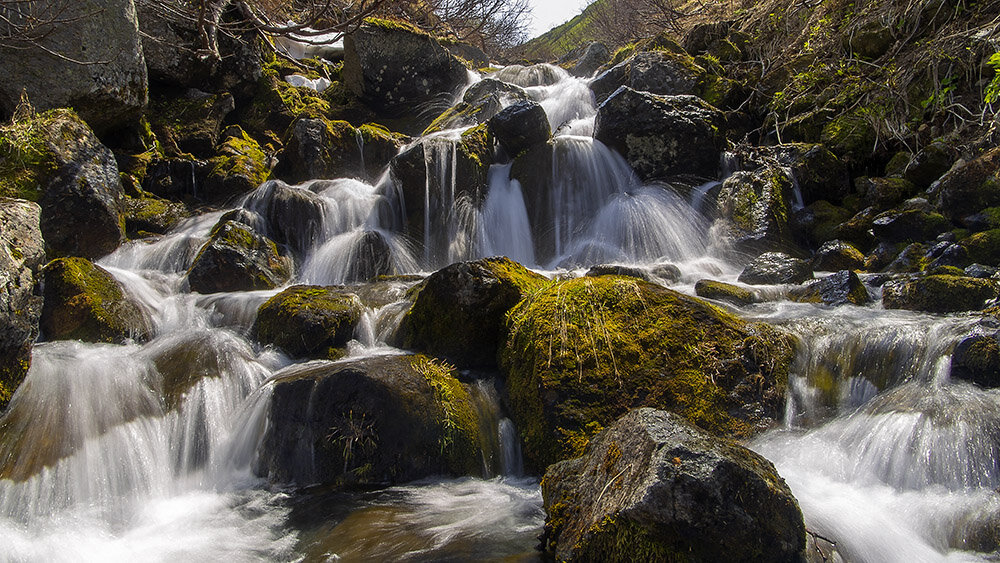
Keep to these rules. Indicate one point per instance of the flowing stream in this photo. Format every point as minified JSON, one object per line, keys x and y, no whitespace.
{"x":144,"y":452}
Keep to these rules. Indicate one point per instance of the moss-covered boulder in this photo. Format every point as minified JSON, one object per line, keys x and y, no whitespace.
{"x":884,"y":193}
{"x":308,"y":321}
{"x":909,"y":224}
{"x":276,"y":104}
{"x":722,"y":291}
{"x":976,"y":358}
{"x":927,"y":166}
{"x":850,"y":136}
{"x":820,"y":175}
{"x":319,"y":148}
{"x":459,"y":311}
{"x":820,"y":222}
{"x":237,"y":258}
{"x":582,"y":352}
{"x":480,"y":102}
{"x":145,"y":215}
{"x":189,"y":124}
{"x":756,"y":208}
{"x":378,"y":146}
{"x":970,"y":188}
{"x":663,"y":72}
{"x":776,"y":268}
{"x":836,"y":255}
{"x":984,"y":247}
{"x":377,"y":421}
{"x":22,"y":254}
{"x":939,"y":293}
{"x":239,"y":166}
{"x":653,"y":487}
{"x":84,"y":302}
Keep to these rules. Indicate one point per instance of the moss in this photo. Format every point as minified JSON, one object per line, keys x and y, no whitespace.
{"x":584,"y":351}
{"x":621,"y":539}
{"x":984,"y":247}
{"x":393,"y":25}
{"x":241,"y":155}
{"x":721,"y":291}
{"x":939,"y":294}
{"x":308,"y":321}
{"x":150,"y":215}
{"x":849,"y":135}
{"x":459,"y":423}
{"x":623,"y":53}
{"x":457,"y":115}
{"x":276,"y":103}
{"x":27,"y":158}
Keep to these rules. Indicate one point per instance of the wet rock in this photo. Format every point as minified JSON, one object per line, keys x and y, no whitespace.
{"x":318,"y":148}
{"x":939,"y":293}
{"x":470,"y":53}
{"x":721,"y":291}
{"x":239,"y":167}
{"x":665,"y":73}
{"x":837,"y":255}
{"x":970,"y":187}
{"x":107,"y":90}
{"x":820,"y":175}
{"x":237,"y":258}
{"x":928,"y":165}
{"x":756,"y":207}
{"x":150,"y":215}
{"x":190,"y":123}
{"x":481,"y":102}
{"x":22,"y":254}
{"x":667,"y":273}
{"x":976,"y":358}
{"x":84,"y":302}
{"x":857,"y":229}
{"x":908,"y":225}
{"x":572,"y":341}
{"x":840,"y":288}
{"x":307,"y":321}
{"x":458,"y":313}
{"x":291,"y":216}
{"x":912,"y":258}
{"x":371,"y":256}
{"x":662,"y":136}
{"x":617,"y":270}
{"x":519,"y":126}
{"x":819,"y":222}
{"x":948,"y":254}
{"x":654,"y":484}
{"x":593,"y":58}
{"x":775,"y":268}
{"x":394,"y":68}
{"x":530,"y":76}
{"x":981,"y":271}
{"x":376,"y":421}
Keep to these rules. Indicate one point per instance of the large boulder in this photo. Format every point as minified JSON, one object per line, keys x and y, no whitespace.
{"x":653,"y":487}
{"x":939,"y":293}
{"x":839,"y":288}
{"x":309,"y":321}
{"x":459,"y":311}
{"x":776,"y":268}
{"x":237,"y":258}
{"x":22,"y":254}
{"x":238,"y":167}
{"x":836,"y":255}
{"x":662,"y":136}
{"x":481,"y":101}
{"x":909,"y":224}
{"x":756,"y":208}
{"x":819,"y":174}
{"x":84,"y":302}
{"x":87,"y":55}
{"x":520,"y":126}
{"x":666,"y":73}
{"x":376,"y":421}
{"x":594,"y":56}
{"x":976,"y":357}
{"x":319,"y":148}
{"x":970,"y":187}
{"x":56,"y":160}
{"x":290,"y":216}
{"x":394,"y":68}
{"x":190,"y":123}
{"x":721,"y":291}
{"x":582,"y":352}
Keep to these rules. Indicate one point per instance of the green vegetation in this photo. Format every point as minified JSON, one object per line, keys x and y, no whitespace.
{"x":27,"y":158}
{"x":308,"y":321}
{"x":459,"y":423}
{"x":562,"y":39}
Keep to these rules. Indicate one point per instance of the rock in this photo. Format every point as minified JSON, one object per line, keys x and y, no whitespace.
{"x":870,"y":41}
{"x":291,"y":216}
{"x":657,"y":72}
{"x":884,"y":193}
{"x":909,"y":225}
{"x":910,"y":259}
{"x":459,"y":311}
{"x":371,"y":257}
{"x":594,"y":57}
{"x":308,"y":321}
{"x":239,"y":167}
{"x":84,"y":302}
{"x":480,"y":103}
{"x":850,"y":136}
{"x":837,"y":255}
{"x":237,"y":258}
{"x":948,"y":254}
{"x":970,"y":187}
{"x":530,"y":76}
{"x":190,"y":123}
{"x":939,"y":293}
{"x":721,"y":291}
{"x":981,"y":271}
{"x":519,"y":126}
{"x":667,"y":273}
{"x":470,"y":53}
{"x":22,"y":254}
{"x":58,"y":162}
{"x":653,"y":487}
{"x":928,"y":165}
{"x":983,"y":247}
{"x":582,"y":352}
{"x":394,"y":68}
{"x":662,"y":136}
{"x":775,"y":267}
{"x":976,"y":358}
{"x":319,"y":148}
{"x":378,"y":147}
{"x":821,"y":221}
{"x":150,"y":215}
{"x":820,"y":175}
{"x":107,"y":90}
{"x":618,"y":270}
{"x":275,"y":104}
{"x":839,"y":288}
{"x":376,"y":421}
{"x":700,"y":37}
{"x":756,"y":207}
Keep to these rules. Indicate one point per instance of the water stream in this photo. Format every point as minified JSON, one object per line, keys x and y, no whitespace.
{"x":145,"y":451}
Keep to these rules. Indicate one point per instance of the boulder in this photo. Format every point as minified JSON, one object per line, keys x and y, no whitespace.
{"x":458,"y":312}
{"x":983,"y":247}
{"x":56,"y":160}
{"x":928,"y":165}
{"x":145,"y":215}
{"x":594,"y":56}
{"x":721,"y":291}
{"x":308,"y":321}
{"x":582,"y":352}
{"x":290,"y":216}
{"x":970,"y":187}
{"x":468,"y":52}
{"x":378,"y":147}
{"x":837,"y":255}
{"x":819,"y":174}
{"x":541,"y":74}
{"x":666,"y":73}
{"x":619,"y":270}
{"x":318,"y":148}
{"x":662,"y":136}
{"x":394,"y":68}
{"x":519,"y":126}
{"x":371,"y":257}
{"x":22,"y":254}
{"x":238,"y":167}
{"x":377,"y":421}
{"x":939,"y":293}
{"x":820,"y":221}
{"x":884,"y":193}
{"x":976,"y":357}
{"x":89,"y":58}
{"x":756,"y":207}
{"x":839,"y":288}
{"x":909,"y":225}
{"x":190,"y":123}
{"x":84,"y":302}
{"x":237,"y":258}
{"x":775,"y":267}
{"x":481,"y":101}
{"x":653,"y":487}
{"x":701,"y":36}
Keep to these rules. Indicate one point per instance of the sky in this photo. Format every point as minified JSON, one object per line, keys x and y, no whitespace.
{"x":547,"y":14}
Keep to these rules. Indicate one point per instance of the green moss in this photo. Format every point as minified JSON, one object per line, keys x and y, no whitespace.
{"x":27,"y":159}
{"x":459,"y":423}
{"x":276,"y":103}
{"x":457,"y":115}
{"x":940,"y":294}
{"x":621,"y":539}
{"x":241,"y":155}
{"x":308,"y":321}
{"x":850,"y":135}
{"x":721,"y":291}
{"x":584,"y":351}
{"x":393,"y":25}
{"x":984,"y":247}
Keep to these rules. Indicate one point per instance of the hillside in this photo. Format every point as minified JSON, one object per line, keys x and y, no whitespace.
{"x":561,"y":39}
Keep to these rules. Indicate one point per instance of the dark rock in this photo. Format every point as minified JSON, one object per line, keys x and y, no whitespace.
{"x":976,"y":358}
{"x":176,"y":178}
{"x":911,"y":258}
{"x":656,"y":72}
{"x":701,"y":36}
{"x":929,"y":164}
{"x":839,"y":288}
{"x":318,"y":148}
{"x":662,"y":136}
{"x":970,"y":187}
{"x":909,"y":225}
{"x":667,"y":273}
{"x":394,"y":69}
{"x":22,"y":254}
{"x":819,"y":222}
{"x":948,"y":254}
{"x":85,"y":302}
{"x":237,"y":258}
{"x":774,"y":268}
{"x":371,"y":257}
{"x":520,"y":126}
{"x":150,"y":215}
{"x":983,"y":247}
{"x":756,"y":206}
{"x":883,"y":193}
{"x":89,"y":58}
{"x":653,"y":484}
{"x":468,"y":52}
{"x":593,"y":58}
{"x":857,"y":229}
{"x":939,"y":294}
{"x":376,"y":421}
{"x":530,"y":76}
{"x":480,"y":103}
{"x":981,"y":271}
{"x":721,"y":291}
{"x":820,"y":175}
{"x":572,"y":341}
{"x":458,"y":313}
{"x":291,"y":216}
{"x":837,"y":255}
{"x":308,"y":321}
{"x":190,"y":123}
{"x":617,"y":270}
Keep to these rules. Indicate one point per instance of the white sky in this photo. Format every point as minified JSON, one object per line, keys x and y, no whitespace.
{"x":547,"y":14}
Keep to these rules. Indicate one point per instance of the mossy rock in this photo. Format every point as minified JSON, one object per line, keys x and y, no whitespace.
{"x":459,"y":312}
{"x":883,"y":193}
{"x":939,"y":293}
{"x":84,"y":302}
{"x":146,"y":215}
{"x":836,"y":255}
{"x":582,"y":352}
{"x":239,"y":167}
{"x":308,"y":321}
{"x":849,"y":136}
{"x":189,"y":124}
{"x":276,"y":104}
{"x":839,"y":288}
{"x":757,"y":207}
{"x":722,"y":291}
{"x":237,"y":258}
{"x":972,"y":187}
{"x":823,"y":221}
{"x":316,"y":147}
{"x":984,"y":247}
{"x":379,"y":145}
